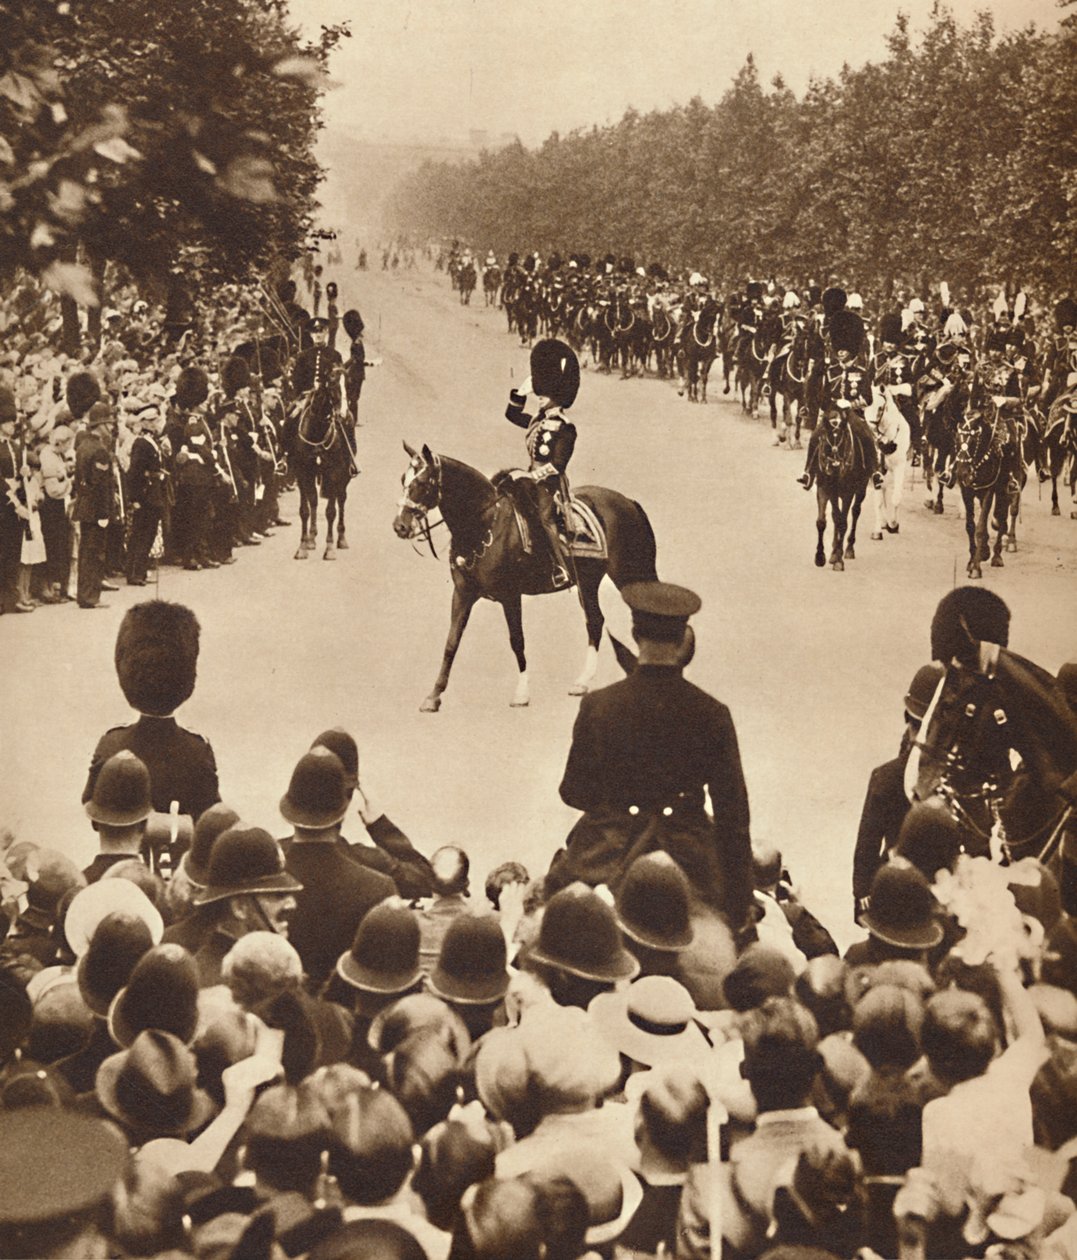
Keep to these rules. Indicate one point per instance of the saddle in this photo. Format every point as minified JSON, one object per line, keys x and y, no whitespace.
{"x":583,"y":535}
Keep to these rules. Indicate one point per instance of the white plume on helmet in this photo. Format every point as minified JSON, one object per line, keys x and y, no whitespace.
{"x":791,"y":300}
{"x":854,"y":302}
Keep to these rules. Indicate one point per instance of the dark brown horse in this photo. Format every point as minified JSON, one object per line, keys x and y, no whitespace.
{"x":1060,"y":450}
{"x":844,"y":469}
{"x":489,"y":557}
{"x":989,"y":472}
{"x":697,"y":350}
{"x":319,"y":454}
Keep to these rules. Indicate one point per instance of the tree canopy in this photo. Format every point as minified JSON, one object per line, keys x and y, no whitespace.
{"x":952,"y":158}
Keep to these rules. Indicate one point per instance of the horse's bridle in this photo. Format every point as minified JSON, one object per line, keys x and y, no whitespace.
{"x":422,"y":527}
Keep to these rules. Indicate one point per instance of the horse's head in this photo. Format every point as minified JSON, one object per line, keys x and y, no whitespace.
{"x":422,"y":493}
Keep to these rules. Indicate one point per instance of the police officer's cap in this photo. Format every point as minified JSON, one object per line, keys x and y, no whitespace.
{"x":318,"y":325}
{"x":660,"y":610}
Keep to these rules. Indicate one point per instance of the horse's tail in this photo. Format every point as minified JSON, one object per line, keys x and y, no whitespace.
{"x":637,"y":562}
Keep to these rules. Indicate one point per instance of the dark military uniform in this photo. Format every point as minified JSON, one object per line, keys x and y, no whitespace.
{"x":147,"y":487}
{"x":551,"y":439}
{"x":646,"y":753}
{"x":11,"y":523}
{"x":313,"y":368}
{"x":893,"y":370}
{"x":845,"y":382}
{"x":93,"y":503}
{"x":181,"y":764}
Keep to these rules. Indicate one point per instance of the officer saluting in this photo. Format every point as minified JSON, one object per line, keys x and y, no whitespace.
{"x":645,"y":753}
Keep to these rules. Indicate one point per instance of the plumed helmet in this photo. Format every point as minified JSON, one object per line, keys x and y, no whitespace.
{"x":791,"y":300}
{"x":890,"y":328}
{"x":235,"y":375}
{"x":754,"y":291}
{"x":353,"y":323}
{"x":157,"y":656}
{"x":555,"y":371}
{"x":192,"y":388}
{"x":968,"y":613}
{"x":854,"y":302}
{"x":834,"y":300}
{"x":916,"y":305}
{"x":1066,"y":313}
{"x":83,"y":390}
{"x":955,"y":326}
{"x":846,"y":331}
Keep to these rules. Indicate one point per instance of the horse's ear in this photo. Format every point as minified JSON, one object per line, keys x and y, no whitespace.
{"x":427,"y":454}
{"x":410,"y":451}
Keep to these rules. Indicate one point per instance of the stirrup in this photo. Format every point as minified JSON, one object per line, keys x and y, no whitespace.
{"x":805,"y":480}
{"x":560,"y":577}
{"x":877,"y":480}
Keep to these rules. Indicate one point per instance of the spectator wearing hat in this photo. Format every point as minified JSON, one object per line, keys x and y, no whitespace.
{"x":14,"y":513}
{"x":190,"y":923}
{"x":161,"y":993}
{"x":902,"y":918}
{"x":94,"y":505}
{"x":118,"y":808}
{"x":652,"y":1022}
{"x":471,"y":973}
{"x":49,"y":876}
{"x":645,"y":753}
{"x":451,"y":868}
{"x":886,"y":804}
{"x":251,"y":891}
{"x":775,"y":895}
{"x":392,"y":853}
{"x":336,"y":892}
{"x":156,"y":663}
{"x":58,"y":1170}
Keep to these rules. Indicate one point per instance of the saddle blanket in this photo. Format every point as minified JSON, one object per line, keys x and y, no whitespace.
{"x":587,"y":538}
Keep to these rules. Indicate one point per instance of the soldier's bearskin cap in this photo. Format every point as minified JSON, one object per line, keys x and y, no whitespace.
{"x":834,"y":300}
{"x":846,"y":331}
{"x":754,"y":291}
{"x":157,"y":656}
{"x":83,"y":390}
{"x":514,"y":258}
{"x":555,"y":371}
{"x":890,"y":328}
{"x":235,"y":375}
{"x":627,"y":265}
{"x":814,"y":294}
{"x":554,"y":261}
{"x":353,"y":324}
{"x":286,"y":290}
{"x":192,"y":388}
{"x":331,"y":290}
{"x":967,"y":615}
{"x":585,"y":260}
{"x":997,"y":339}
{"x":1066,"y":313}
{"x":529,"y":263}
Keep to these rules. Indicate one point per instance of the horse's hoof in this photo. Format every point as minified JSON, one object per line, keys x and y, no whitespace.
{"x":430,"y":705}
{"x":939,"y":509}
{"x":850,"y":554}
{"x":342,"y":544}
{"x":876,"y":538}
{"x":301,"y":554}
{"x":1011,"y":544}
{"x":929,"y":504}
{"x":578,"y":689}
{"x":519,"y":704}
{"x":329,"y":554}
{"x":838,"y":566}
{"x":997,"y":562}
{"x":795,"y":445}
{"x":1057,"y":511}
{"x":1073,"y":516}
{"x":820,"y":560}
{"x":726,"y":390}
{"x":974,"y":571}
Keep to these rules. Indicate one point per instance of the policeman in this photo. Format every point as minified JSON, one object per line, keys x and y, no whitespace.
{"x":147,"y":484}
{"x":646,"y":753}
{"x":551,"y":439}
{"x":94,"y":503}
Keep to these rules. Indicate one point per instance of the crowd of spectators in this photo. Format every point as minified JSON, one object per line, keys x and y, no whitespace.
{"x":330,"y":1044}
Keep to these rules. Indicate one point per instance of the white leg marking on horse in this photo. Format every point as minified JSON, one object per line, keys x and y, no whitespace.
{"x":590,"y":667}
{"x":522,"y":696}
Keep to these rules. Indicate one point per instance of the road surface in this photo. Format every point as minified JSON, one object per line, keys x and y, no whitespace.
{"x":813,"y":663}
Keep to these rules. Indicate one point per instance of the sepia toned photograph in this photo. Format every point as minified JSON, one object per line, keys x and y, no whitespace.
{"x":576,"y":753}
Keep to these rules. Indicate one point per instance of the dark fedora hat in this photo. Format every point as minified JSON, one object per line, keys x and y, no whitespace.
{"x":384,"y":957}
{"x":343,"y":745}
{"x":151,"y":1088}
{"x":211,"y":824}
{"x":245,"y":860}
{"x":161,"y":993}
{"x":317,"y":795}
{"x":116,"y":946}
{"x":121,"y":793}
{"x":579,"y":934}
{"x":471,"y":967}
{"x":652,"y":903}
{"x":903,"y":911}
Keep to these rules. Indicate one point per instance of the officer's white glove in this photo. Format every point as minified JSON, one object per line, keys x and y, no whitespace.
{"x":525,"y":386}
{"x":103,"y":524}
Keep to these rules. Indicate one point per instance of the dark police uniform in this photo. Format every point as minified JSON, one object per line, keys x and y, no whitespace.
{"x":646,"y":753}
{"x":93,"y":503}
{"x":147,"y":488}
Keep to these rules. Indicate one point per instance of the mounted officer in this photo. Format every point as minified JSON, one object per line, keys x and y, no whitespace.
{"x":1061,"y":357}
{"x":551,"y":439}
{"x":892,"y":371}
{"x":316,"y":368}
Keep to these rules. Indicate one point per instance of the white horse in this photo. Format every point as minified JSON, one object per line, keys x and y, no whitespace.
{"x":891,"y":431}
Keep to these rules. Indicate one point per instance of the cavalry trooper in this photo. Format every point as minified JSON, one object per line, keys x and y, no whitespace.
{"x":847,"y":386}
{"x":551,"y":439}
{"x":1061,"y":358}
{"x":646,"y":754}
{"x":998,"y":380}
{"x":891,"y":370}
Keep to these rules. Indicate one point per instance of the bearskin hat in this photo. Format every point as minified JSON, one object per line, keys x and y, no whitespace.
{"x":754,"y":291}
{"x":286,"y":291}
{"x":814,"y":295}
{"x":157,"y":656}
{"x":966,"y":615}
{"x":529,"y":263}
{"x":554,"y":261}
{"x":235,"y":375}
{"x":585,"y":260}
{"x":846,"y":331}
{"x":192,"y":388}
{"x":353,"y":324}
{"x":890,"y":328}
{"x":997,"y":339}
{"x":331,"y":290}
{"x":83,"y":390}
{"x":657,"y":271}
{"x":514,"y":258}
{"x":627,"y":265}
{"x":834,"y":300}
{"x":555,"y":371}
{"x":1066,"y":313}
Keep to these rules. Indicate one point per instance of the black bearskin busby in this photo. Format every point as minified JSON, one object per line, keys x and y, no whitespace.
{"x":235,"y":375}
{"x":834,"y":300}
{"x":657,"y":272}
{"x":286,"y":291}
{"x":192,"y":388}
{"x":815,"y":295}
{"x":555,"y":371}
{"x":157,"y":656}
{"x":965,"y":617}
{"x":585,"y":260}
{"x":890,"y":329}
{"x":627,"y":265}
{"x":353,"y":324}
{"x":847,"y":331}
{"x":514,"y":258}
{"x":529,"y":263}
{"x":1066,"y":313}
{"x":83,"y":390}
{"x":555,"y":261}
{"x":754,"y":291}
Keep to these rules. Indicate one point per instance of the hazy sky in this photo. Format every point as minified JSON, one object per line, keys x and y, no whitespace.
{"x":428,"y":68}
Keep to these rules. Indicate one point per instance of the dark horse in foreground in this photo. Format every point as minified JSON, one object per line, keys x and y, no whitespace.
{"x":990,"y":473}
{"x":319,"y":455}
{"x":993,"y":702}
{"x":490,"y":558}
{"x":844,"y":469}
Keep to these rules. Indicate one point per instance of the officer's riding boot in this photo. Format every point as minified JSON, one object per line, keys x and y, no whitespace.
{"x":807,"y":477}
{"x":547,"y":512}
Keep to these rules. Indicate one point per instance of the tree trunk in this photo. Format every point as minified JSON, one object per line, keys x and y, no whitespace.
{"x":71,"y":331}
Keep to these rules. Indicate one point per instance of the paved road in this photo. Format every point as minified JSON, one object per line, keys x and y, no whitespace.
{"x":813,"y":663}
